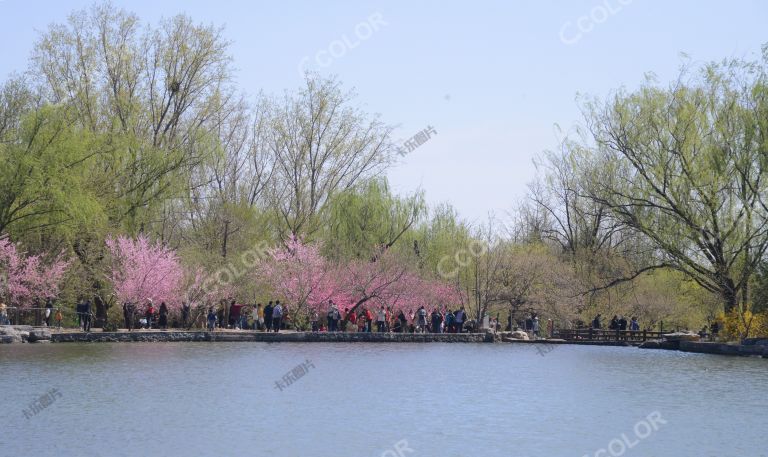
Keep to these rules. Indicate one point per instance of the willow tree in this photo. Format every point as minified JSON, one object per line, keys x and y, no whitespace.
{"x":368,"y":219}
{"x":686,"y":167}
{"x":43,"y":179}
{"x":153,"y":90}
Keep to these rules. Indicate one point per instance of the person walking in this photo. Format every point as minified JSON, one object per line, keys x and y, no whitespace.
{"x":459,"y":318}
{"x":351,"y":318}
{"x":268,"y":317}
{"x":437,"y":320}
{"x":257,"y":316}
{"x":48,"y":311}
{"x":596,"y":322}
{"x":336,"y":317}
{"x":163,"y":321}
{"x":58,"y":318}
{"x":211,"y":320}
{"x":3,"y":314}
{"x":261,"y":316}
{"x":536,"y":328}
{"x":368,"y":320}
{"x":714,"y":330}
{"x":330,"y":317}
{"x":314,"y":319}
{"x":381,"y":319}
{"x":149,"y":314}
{"x":623,"y":327}
{"x":403,"y":322}
{"x":450,"y":321}
{"x":128,"y":311}
{"x":333,"y":317}
{"x":277,"y":316}
{"x":421,"y":316}
{"x":86,"y":310}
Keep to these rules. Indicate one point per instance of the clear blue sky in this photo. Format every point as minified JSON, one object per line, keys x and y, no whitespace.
{"x":492,"y":77}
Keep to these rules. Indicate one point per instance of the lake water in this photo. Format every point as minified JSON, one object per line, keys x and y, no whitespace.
{"x":221,"y":399}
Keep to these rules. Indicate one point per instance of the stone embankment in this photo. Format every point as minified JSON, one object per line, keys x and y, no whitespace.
{"x":751,"y":347}
{"x":24,"y":334}
{"x":27,"y":334}
{"x":283,"y":337}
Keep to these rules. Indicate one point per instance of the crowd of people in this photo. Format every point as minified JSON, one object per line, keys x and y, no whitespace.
{"x":618,"y":322}
{"x":276,"y":316}
{"x":49,"y":313}
{"x":387,"y":319}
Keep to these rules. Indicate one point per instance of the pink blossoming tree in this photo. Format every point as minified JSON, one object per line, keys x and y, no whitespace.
{"x":300,"y":275}
{"x":24,"y":279}
{"x":392,"y":282}
{"x":143,"y":270}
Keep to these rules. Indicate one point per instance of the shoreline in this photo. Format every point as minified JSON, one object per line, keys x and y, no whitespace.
{"x":28,"y":334}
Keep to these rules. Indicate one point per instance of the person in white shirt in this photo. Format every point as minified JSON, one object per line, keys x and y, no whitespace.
{"x":381,"y":319}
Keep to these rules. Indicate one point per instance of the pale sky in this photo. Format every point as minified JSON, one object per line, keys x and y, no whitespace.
{"x":492,"y":77}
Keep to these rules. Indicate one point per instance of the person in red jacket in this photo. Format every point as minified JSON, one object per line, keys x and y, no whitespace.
{"x":368,"y":320}
{"x":351,"y":317}
{"x":150,"y":314}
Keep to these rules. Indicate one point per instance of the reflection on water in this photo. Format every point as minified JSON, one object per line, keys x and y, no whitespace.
{"x":203,"y":399}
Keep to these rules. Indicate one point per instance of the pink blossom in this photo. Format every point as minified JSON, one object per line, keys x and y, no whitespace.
{"x":24,"y":279}
{"x":300,"y":275}
{"x":144,"y":271}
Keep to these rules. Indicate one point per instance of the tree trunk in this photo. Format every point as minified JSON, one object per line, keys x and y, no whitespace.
{"x":730,"y":296}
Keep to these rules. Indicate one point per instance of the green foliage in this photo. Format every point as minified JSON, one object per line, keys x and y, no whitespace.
{"x":686,"y":168}
{"x":760,"y":289}
{"x":363,"y":220}
{"x":657,"y":207}
{"x":44,"y":182}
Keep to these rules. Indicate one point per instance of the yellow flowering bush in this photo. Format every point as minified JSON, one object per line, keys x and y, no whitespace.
{"x":737,"y":325}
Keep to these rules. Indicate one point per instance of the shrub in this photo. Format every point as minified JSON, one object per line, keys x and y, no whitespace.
{"x":737,"y":325}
